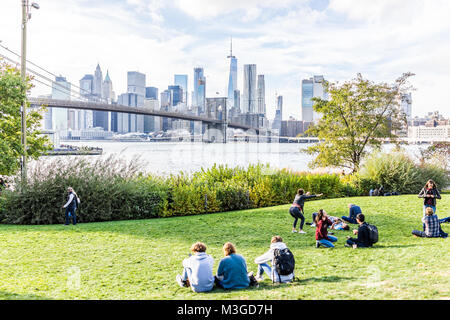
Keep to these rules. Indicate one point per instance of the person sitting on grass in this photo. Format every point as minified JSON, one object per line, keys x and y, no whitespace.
{"x":296,"y":210}
{"x":275,"y":244}
{"x":354,"y":210}
{"x":322,"y":224}
{"x":337,"y":223}
{"x":232,"y":271}
{"x":432,"y":225}
{"x":363,"y":240}
{"x":197,"y":270}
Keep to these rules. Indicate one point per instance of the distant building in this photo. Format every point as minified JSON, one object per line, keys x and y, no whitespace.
{"x":136,"y":85}
{"x":406,"y":106}
{"x":276,"y":124}
{"x":199,"y":97}
{"x":261,"y":95}
{"x":437,"y":134}
{"x":176,"y":96}
{"x":61,"y":90}
{"x":151,"y":93}
{"x":312,"y":88}
{"x":250,"y":94}
{"x":182,"y":81}
{"x":232,"y":78}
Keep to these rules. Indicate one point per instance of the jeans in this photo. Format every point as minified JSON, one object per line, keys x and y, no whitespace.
{"x":445,"y":220}
{"x":264,"y":267}
{"x":350,"y":220}
{"x":297,"y":214}
{"x":70,"y":213}
{"x":328,"y":243}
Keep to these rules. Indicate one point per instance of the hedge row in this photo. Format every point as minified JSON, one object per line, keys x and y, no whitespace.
{"x":111,"y":189}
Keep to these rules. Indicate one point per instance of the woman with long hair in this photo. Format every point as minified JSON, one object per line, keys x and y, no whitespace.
{"x":296,"y":210}
{"x":429,"y":193}
{"x":322,"y":224}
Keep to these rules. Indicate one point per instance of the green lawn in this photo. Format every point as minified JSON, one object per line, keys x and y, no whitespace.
{"x":140,"y":259}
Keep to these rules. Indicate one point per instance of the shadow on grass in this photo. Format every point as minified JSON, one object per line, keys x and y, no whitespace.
{"x":326,"y":279}
{"x":16,"y":296}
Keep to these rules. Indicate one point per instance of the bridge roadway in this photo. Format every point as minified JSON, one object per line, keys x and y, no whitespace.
{"x":98,"y":106}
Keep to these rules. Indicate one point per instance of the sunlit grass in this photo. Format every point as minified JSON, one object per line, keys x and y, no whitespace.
{"x":140,"y":259}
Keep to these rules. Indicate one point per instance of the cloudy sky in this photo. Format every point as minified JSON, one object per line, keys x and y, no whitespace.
{"x":289,"y":40}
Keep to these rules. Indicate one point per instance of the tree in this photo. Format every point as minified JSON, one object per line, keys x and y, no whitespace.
{"x":359,"y":114}
{"x":438,"y":153}
{"x":12,"y":92}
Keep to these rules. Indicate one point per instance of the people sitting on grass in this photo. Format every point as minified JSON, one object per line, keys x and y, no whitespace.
{"x":337,"y":223}
{"x":278,"y":252}
{"x":363,"y":240}
{"x":432,"y":225}
{"x":354,"y":210}
{"x":296,"y":210}
{"x":322,"y":237}
{"x":232,"y":271}
{"x":197,"y":270}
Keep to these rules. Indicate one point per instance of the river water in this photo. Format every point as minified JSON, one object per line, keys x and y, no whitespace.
{"x":172,"y":157}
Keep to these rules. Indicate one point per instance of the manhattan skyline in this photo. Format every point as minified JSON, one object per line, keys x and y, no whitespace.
{"x":288,"y":41}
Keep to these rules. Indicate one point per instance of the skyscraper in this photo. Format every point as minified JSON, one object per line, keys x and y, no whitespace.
{"x":151,"y":93}
{"x":182,"y":81}
{"x":98,"y":81}
{"x":61,"y":90}
{"x":232,"y":79}
{"x":176,"y":95}
{"x":407,"y":106}
{"x":278,"y":114}
{"x":261,"y":95}
{"x":312,"y":88}
{"x":250,"y":94}
{"x":136,"y":85}
{"x":199,"y":89}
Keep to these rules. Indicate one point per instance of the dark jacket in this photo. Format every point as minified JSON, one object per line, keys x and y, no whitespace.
{"x":363,"y":236}
{"x":427,"y":200}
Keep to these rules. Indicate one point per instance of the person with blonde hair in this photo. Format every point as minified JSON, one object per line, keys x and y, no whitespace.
{"x":277,"y":249}
{"x":232,"y":271}
{"x":432,"y":225}
{"x":197,"y":270}
{"x":71,"y":206}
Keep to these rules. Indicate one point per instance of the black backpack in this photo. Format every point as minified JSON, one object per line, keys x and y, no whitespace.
{"x":283,"y":261}
{"x":373,"y":233}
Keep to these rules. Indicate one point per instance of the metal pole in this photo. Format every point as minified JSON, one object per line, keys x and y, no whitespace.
{"x":23,"y":74}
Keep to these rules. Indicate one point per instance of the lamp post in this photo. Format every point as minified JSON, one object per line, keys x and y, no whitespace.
{"x":26,"y":15}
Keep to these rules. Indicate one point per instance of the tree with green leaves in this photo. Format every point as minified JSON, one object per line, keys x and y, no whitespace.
{"x":358,"y":116}
{"x":12,"y":93}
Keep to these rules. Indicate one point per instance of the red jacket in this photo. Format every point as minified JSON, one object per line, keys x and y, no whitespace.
{"x":321,"y":229}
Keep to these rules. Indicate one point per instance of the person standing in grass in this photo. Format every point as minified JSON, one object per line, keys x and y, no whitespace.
{"x":197,"y":270}
{"x":296,"y":210}
{"x":363,"y":232}
{"x":432,"y":225}
{"x":232,"y":271}
{"x":71,"y":206}
{"x":429,"y":193}
{"x":354,"y":210}
{"x":322,"y":223}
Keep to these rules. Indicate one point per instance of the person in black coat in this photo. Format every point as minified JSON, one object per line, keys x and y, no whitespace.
{"x":363,"y":240}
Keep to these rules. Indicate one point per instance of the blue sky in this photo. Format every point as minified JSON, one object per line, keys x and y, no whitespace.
{"x":289,"y":40}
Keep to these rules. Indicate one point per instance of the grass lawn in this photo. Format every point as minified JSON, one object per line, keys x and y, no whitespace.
{"x":140,"y":259}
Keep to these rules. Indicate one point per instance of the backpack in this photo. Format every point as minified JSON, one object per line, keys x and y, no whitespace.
{"x":283,"y":261}
{"x":373,"y":233}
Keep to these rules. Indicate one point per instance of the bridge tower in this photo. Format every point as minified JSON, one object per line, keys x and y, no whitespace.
{"x":216,"y":108}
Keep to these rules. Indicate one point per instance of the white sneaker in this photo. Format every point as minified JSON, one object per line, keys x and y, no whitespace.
{"x":259,"y":279}
{"x":302,"y":232}
{"x":294,"y":231}
{"x":180,"y":281}
{"x":313,"y":225}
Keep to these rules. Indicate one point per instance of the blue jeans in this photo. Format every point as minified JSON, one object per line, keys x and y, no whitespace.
{"x":445,"y":220}
{"x":328,"y":243}
{"x":187,"y":272}
{"x":350,"y":220}
{"x":70,"y":213}
{"x":264,"y":267}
